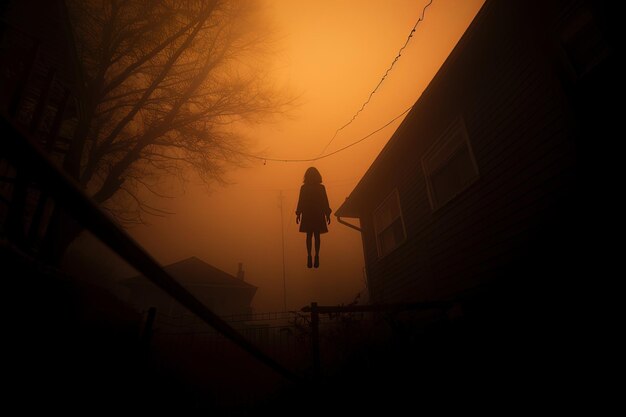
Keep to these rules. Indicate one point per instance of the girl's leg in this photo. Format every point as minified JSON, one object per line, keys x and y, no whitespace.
{"x":309,"y":261}
{"x":308,"y":242}
{"x":317,"y":249}
{"x":317,"y":243}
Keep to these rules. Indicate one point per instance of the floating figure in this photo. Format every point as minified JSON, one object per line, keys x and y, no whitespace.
{"x":313,"y":212}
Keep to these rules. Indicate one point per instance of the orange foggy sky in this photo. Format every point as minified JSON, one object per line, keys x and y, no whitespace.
{"x":332,"y":54}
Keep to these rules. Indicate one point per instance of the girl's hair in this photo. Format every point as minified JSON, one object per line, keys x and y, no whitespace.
{"x":312,"y":176}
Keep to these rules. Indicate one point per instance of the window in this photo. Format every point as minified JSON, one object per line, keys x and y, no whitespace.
{"x":449,"y":165}
{"x":388,"y":225}
{"x":583,"y":42}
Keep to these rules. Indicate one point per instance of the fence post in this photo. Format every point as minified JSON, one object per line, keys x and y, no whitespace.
{"x":315,"y":337}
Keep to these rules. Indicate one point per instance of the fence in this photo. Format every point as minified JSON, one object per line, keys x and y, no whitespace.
{"x":284,"y":336}
{"x":315,"y":341}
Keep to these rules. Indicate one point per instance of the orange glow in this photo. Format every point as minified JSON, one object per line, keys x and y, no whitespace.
{"x":332,"y":54}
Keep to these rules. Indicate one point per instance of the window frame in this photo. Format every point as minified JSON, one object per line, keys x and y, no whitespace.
{"x":572,"y":24}
{"x":440,"y":144}
{"x":393,"y":194}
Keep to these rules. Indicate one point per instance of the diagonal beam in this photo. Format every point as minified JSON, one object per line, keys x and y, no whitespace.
{"x":22,"y":151}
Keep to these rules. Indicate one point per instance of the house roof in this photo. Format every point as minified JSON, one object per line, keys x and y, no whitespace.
{"x":351,"y":207}
{"x":195,"y":272}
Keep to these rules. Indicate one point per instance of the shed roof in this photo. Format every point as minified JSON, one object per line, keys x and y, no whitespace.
{"x":195,"y":272}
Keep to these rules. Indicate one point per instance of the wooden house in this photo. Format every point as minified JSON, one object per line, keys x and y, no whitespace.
{"x":478,"y":188}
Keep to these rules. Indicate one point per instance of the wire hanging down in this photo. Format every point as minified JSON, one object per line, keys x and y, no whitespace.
{"x":264,"y":159}
{"x":408,"y":39}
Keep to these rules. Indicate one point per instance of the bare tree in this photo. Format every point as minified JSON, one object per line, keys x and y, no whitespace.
{"x":161,"y":83}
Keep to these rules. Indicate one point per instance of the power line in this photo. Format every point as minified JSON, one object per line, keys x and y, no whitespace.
{"x":322,"y":155}
{"x":328,"y":154}
{"x":408,"y":39}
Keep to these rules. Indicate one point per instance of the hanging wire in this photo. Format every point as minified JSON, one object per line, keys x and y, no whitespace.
{"x":265,"y":159}
{"x":322,"y":155}
{"x":369,"y":98}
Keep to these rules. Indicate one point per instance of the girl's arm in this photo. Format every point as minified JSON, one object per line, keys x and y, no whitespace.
{"x":327,"y":209}
{"x":299,"y":208}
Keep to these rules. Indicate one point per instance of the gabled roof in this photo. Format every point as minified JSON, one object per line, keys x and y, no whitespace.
{"x":351,"y":207}
{"x":195,"y":272}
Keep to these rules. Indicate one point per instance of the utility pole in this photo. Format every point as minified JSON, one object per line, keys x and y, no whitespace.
{"x":282,"y":232}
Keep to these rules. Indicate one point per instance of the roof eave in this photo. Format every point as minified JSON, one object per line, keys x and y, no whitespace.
{"x":348,"y":209}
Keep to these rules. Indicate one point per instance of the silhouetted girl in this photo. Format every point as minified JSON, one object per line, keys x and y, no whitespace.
{"x":313,"y":212}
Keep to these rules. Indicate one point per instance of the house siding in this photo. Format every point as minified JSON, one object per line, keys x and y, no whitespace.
{"x":504,"y":82}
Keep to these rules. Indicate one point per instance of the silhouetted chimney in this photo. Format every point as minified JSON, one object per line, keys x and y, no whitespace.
{"x":240,"y":271}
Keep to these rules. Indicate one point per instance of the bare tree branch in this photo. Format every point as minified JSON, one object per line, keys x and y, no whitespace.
{"x":165,"y":81}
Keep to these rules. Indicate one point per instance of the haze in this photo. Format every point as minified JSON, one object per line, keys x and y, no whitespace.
{"x":331,"y":54}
